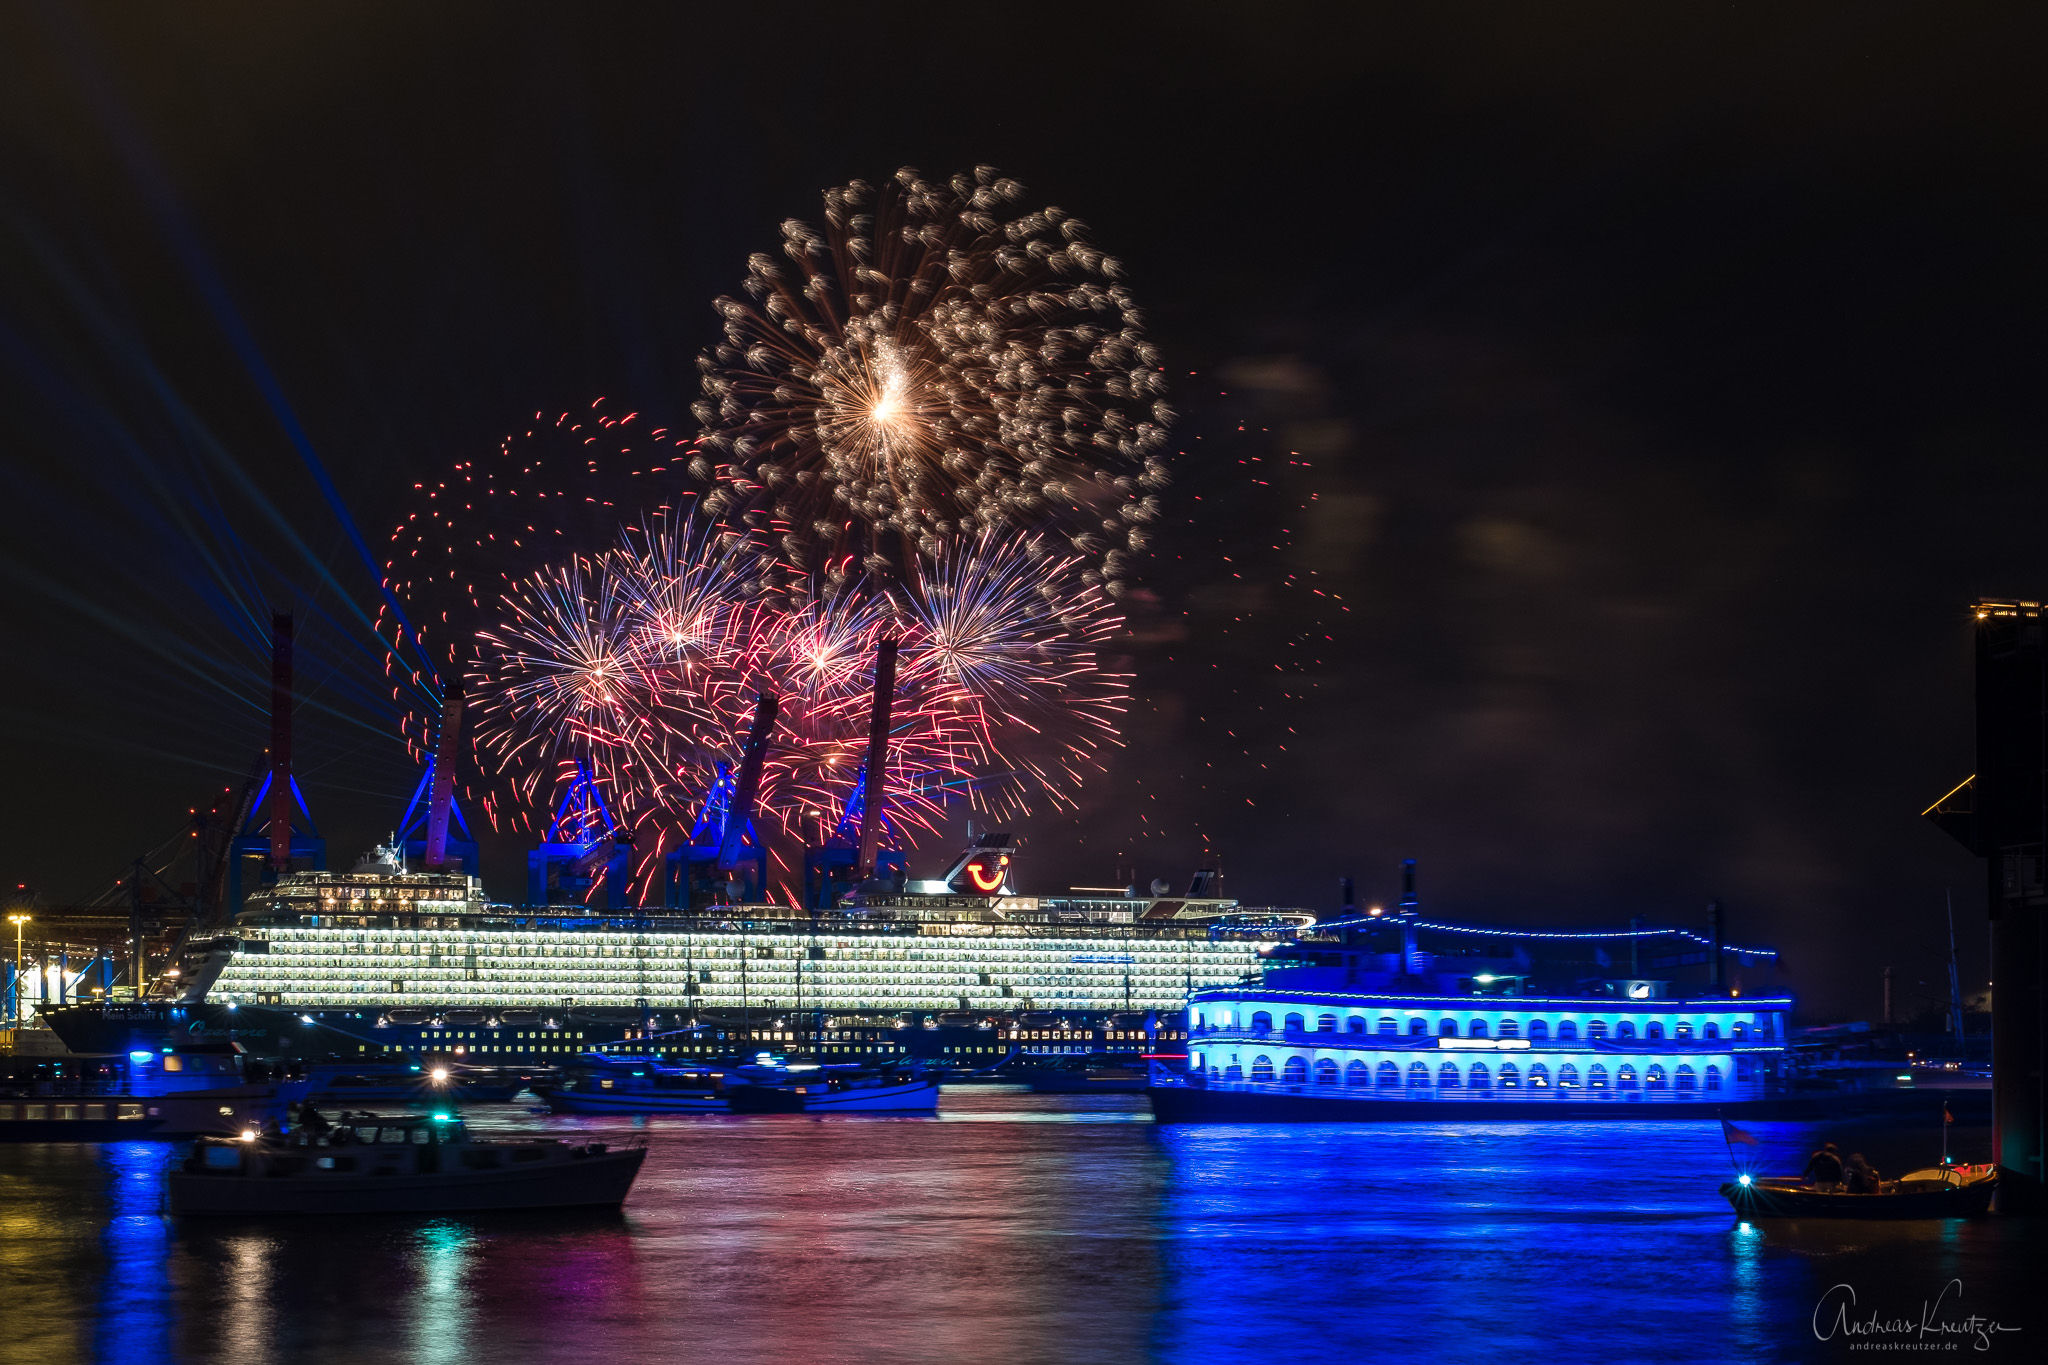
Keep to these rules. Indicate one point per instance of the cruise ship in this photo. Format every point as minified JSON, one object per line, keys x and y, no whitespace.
{"x":384,"y":960}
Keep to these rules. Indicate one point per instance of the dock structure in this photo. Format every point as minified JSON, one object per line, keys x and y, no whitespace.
{"x":2000,"y":814}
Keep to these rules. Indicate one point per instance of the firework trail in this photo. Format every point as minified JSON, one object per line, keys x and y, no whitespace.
{"x":934,"y":364}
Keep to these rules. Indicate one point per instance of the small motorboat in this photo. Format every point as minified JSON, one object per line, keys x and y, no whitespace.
{"x":1936,"y":1192}
{"x":774,"y":1087}
{"x":1097,"y":1074}
{"x":417,"y":1163}
{"x":606,"y":1083}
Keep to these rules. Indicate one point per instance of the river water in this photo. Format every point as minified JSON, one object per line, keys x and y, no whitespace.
{"x":1026,"y":1228}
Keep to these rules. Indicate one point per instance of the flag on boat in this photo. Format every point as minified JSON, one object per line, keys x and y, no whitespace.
{"x":1946,"y":1117}
{"x":1735,"y":1135}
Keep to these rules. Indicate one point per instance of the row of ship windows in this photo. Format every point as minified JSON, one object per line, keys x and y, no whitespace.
{"x":1539,"y":1030}
{"x":1449,"y":1076}
{"x":979,"y":950}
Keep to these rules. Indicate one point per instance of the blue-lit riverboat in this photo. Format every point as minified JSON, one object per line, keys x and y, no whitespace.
{"x":1360,"y":1020}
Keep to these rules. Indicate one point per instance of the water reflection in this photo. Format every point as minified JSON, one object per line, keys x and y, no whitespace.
{"x":136,"y":1304}
{"x":1016,"y":1228}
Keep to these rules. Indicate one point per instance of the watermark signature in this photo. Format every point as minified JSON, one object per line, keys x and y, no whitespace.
{"x":1941,"y":1325}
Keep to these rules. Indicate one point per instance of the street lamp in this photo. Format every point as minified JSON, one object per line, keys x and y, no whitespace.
{"x":17,"y":921}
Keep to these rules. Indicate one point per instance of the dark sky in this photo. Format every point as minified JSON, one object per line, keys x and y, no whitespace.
{"x":1645,"y":396}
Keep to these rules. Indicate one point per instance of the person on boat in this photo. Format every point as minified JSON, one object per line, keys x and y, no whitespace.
{"x":1824,"y":1168}
{"x":311,"y":1119}
{"x":1861,"y":1178}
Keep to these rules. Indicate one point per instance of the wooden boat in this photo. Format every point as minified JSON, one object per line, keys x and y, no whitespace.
{"x":1936,"y":1192}
{"x":366,"y":1163}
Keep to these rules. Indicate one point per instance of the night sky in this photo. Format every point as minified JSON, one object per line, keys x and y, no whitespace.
{"x":1595,"y":423}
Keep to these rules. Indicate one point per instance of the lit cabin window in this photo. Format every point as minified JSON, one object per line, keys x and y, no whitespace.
{"x":1539,"y":1077}
{"x":1418,"y":1076}
{"x":1510,"y":1079}
{"x":1596,"y":1077}
{"x":1654,"y":1078}
{"x":1262,"y":1068}
{"x":1510,"y":1029}
{"x":1293,"y":1023}
{"x":1685,"y":1078}
{"x":1326,"y":1072}
{"x":1683,"y":1030}
{"x":1711,"y":1031}
{"x":1538,"y":1031}
{"x":1739,"y":1030}
{"x":1198,"y":1020}
{"x":1296,"y":1071}
{"x":1326,"y":1023}
{"x":1195,"y":1061}
{"x":1596,"y":1028}
{"x":1625,"y":1077}
{"x":1447,"y":1028}
{"x":1655,"y":1030}
{"x":1567,"y":1077}
{"x":1262,"y":1021}
{"x":1567,"y":1032}
{"x":1478,"y":1028}
{"x":1418,"y":1028}
{"x":1625,"y":1029}
{"x":1447,"y":1076}
{"x":1234,"y":1072}
{"x":1713,"y":1078}
{"x":1389,"y":1075}
{"x":1388,"y":1028}
{"x":1478,"y":1078}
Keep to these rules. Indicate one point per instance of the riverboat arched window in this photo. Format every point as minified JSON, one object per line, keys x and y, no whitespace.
{"x":1477,"y":1078}
{"x":1418,"y":1028}
{"x":1685,"y":1078}
{"x":1262,"y":1021}
{"x":1713,"y":1078}
{"x":1624,"y":1030}
{"x":1510,"y":1029}
{"x":1262,"y":1068}
{"x":1596,"y":1077}
{"x":1653,"y":1079}
{"x":1293,"y":1023}
{"x":1655,"y":1030}
{"x":1326,"y":1023}
{"x":1683,"y":1029}
{"x":1596,"y":1029}
{"x":1447,"y":1028}
{"x":1567,"y":1031}
{"x":1538,"y":1031}
{"x":1295,"y":1072}
{"x":1711,"y":1031}
{"x":1624,"y":1076}
{"x":1326,"y":1072}
{"x":1418,"y":1076}
{"x":1539,"y":1077}
{"x":1478,"y":1029}
{"x":1447,"y":1076}
{"x":1510,"y":1079}
{"x":1567,"y":1077}
{"x":1355,"y":1024}
{"x":1740,"y":1030}
{"x":1389,"y":1075}
{"x":1387,"y":1027}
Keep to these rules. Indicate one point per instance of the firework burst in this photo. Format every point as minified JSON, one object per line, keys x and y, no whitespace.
{"x":934,"y":364}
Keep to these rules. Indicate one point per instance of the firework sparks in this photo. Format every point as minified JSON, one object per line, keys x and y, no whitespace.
{"x":932,"y":365}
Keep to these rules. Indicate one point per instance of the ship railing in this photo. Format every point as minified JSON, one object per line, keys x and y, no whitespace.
{"x":1431,"y":1093}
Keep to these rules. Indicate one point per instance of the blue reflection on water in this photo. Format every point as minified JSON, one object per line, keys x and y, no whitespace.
{"x":1446,"y":1241}
{"x":137,"y":1306}
{"x":440,"y":1307}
